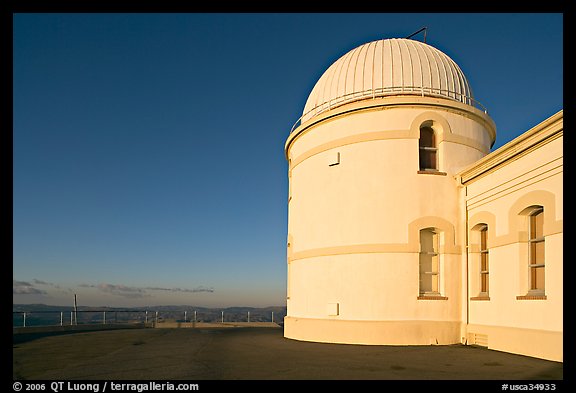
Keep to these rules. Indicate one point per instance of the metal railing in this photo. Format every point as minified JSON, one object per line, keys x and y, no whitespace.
{"x":82,"y":317}
{"x":388,"y":91}
{"x":93,"y":317}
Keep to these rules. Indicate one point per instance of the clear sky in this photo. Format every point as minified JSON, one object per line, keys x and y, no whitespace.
{"x":148,"y":162}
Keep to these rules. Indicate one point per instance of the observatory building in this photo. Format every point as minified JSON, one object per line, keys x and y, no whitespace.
{"x":404,"y":228}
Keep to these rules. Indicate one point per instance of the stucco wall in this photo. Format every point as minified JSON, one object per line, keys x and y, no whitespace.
{"x":357,"y":203}
{"x":533,"y":175}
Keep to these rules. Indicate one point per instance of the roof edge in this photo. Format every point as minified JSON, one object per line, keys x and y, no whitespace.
{"x":549,"y":129}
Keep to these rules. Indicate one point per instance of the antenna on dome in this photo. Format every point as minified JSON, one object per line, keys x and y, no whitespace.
{"x":422,"y":29}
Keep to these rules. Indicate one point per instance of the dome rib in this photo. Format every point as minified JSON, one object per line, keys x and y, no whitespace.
{"x":395,"y":66}
{"x":362,"y":66}
{"x":401,"y":63}
{"x":410,"y":66}
{"x":419,"y":67}
{"x":373,"y":65}
{"x":431,"y":57}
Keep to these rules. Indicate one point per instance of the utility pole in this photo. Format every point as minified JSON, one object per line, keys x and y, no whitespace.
{"x":75,"y":311}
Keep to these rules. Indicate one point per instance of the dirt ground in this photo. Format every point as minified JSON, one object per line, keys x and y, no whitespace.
{"x":255,"y":354}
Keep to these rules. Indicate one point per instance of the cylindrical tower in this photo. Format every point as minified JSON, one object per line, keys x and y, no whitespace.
{"x":374,"y":245}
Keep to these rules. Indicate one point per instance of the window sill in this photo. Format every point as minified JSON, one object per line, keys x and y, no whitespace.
{"x":432,"y":173}
{"x":480,"y":298}
{"x":531,"y":297}
{"x":432,"y":298}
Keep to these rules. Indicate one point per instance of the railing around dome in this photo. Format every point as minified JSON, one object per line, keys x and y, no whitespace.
{"x":388,"y":91}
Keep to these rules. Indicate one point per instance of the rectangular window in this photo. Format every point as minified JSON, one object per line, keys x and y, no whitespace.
{"x":484,"y":267}
{"x":536,"y":252}
{"x":427,"y":149}
{"x":427,"y":158}
{"x":429,"y":263}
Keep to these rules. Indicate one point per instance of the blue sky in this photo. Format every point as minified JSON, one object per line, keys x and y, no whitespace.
{"x":148,"y":164}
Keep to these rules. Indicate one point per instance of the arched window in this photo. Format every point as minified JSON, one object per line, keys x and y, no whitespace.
{"x":429,"y":263}
{"x":427,"y":149}
{"x":536,"y":262}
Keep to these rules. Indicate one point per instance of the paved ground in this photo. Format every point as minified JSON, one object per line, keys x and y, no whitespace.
{"x":256,"y":354}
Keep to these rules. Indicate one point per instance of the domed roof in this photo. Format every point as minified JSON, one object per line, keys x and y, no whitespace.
{"x":388,"y":67}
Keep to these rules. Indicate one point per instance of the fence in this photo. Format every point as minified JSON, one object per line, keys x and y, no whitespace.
{"x":85,"y":317}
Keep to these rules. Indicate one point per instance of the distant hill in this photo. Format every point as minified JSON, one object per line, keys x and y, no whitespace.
{"x":43,"y":314}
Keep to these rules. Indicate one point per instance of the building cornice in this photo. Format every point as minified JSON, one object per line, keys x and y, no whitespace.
{"x":543,"y":133}
{"x":393,"y":102}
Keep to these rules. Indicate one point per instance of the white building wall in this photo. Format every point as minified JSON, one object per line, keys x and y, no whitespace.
{"x":357,"y":203}
{"x":533,"y":175}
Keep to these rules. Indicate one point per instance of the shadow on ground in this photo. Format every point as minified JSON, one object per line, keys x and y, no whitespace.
{"x":256,"y":354}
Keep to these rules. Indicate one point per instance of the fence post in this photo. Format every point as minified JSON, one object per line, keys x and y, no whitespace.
{"x":248,"y":316}
{"x":272,"y":316}
{"x":146,"y":318}
{"x":185,"y":313}
{"x":71,"y":318}
{"x":24,"y":319}
{"x":222,"y":316}
{"x":156,"y":319}
{"x":61,"y":318}
{"x":104,"y":320}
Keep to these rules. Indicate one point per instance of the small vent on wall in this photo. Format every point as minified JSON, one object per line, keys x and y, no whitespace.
{"x":333,"y":309}
{"x":478,"y":339}
{"x":334,"y":158}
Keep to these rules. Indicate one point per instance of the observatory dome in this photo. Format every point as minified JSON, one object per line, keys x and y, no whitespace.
{"x":395,"y":66}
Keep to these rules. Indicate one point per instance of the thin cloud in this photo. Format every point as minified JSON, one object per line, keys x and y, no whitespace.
{"x":25,"y":288}
{"x":46,"y":283}
{"x":193,"y":290}
{"x":140,"y":292}
{"x":40,"y":282}
{"x":118,"y":290}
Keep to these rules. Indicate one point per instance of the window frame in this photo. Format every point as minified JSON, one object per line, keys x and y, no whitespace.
{"x":427,"y":150}
{"x":434,"y":274}
{"x":484,"y":261}
{"x":533,"y":240}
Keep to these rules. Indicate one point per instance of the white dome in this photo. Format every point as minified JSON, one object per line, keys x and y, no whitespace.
{"x":395,"y":66}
